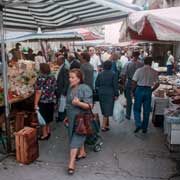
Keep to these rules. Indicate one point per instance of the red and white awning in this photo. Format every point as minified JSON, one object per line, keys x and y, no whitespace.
{"x":162,"y":24}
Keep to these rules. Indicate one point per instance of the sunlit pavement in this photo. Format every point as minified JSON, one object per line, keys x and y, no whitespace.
{"x":124,"y":156}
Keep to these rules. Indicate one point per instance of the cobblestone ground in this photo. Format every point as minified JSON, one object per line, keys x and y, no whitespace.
{"x":124,"y":156}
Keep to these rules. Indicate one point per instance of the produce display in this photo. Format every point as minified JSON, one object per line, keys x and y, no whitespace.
{"x":21,"y":79}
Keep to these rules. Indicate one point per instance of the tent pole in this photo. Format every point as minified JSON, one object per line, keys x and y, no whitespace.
{"x":5,"y":82}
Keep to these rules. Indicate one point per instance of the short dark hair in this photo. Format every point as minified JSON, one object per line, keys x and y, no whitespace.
{"x":148,"y":60}
{"x":107,"y":65}
{"x":85,"y":56}
{"x":135,"y":54}
{"x":40,"y":53}
{"x":45,"y":68}
{"x":18,"y":44}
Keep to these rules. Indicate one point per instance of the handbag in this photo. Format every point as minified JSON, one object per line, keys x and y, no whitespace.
{"x":87,"y":123}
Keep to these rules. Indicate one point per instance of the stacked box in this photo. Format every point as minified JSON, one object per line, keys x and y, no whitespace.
{"x":27,"y":148}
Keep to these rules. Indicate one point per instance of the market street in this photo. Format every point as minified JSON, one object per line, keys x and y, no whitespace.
{"x":124,"y":156}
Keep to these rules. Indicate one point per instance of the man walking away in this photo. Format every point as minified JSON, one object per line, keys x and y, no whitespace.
{"x":87,"y":69}
{"x":127,"y":75}
{"x":145,"y":80}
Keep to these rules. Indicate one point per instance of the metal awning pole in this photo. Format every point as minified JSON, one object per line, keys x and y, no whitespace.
{"x":5,"y":82}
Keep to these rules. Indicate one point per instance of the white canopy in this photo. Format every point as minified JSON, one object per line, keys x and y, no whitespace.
{"x":164,"y":22}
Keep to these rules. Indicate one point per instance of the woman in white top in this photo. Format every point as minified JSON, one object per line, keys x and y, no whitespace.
{"x":39,"y":59}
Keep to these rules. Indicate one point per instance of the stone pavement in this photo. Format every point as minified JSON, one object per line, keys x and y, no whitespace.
{"x":124,"y":156}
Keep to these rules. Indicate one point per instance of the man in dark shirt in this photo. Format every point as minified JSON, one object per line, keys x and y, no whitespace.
{"x":87,"y":69}
{"x":74,"y":63}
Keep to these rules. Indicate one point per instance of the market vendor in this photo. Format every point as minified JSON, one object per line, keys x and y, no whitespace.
{"x":17,"y":53}
{"x":170,"y":63}
{"x":145,"y":80}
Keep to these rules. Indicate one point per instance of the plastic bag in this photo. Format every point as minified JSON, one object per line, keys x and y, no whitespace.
{"x":62,"y":103}
{"x":41,"y":120}
{"x":118,"y":111}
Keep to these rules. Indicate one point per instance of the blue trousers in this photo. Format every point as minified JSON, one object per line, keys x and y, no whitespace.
{"x":169,"y":69}
{"x":143,"y":97}
{"x":128,"y":99}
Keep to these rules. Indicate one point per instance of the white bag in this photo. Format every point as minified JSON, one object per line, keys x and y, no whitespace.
{"x":118,"y":111}
{"x":41,"y":120}
{"x":62,"y":103}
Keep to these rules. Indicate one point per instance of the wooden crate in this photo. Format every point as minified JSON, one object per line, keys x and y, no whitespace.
{"x":27,"y":148}
{"x":19,"y":121}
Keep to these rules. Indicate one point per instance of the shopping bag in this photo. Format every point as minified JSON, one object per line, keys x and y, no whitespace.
{"x":118,"y":111}
{"x":62,"y":103}
{"x":41,"y":120}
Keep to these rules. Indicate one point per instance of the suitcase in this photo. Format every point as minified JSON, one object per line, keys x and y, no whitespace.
{"x":27,"y":148}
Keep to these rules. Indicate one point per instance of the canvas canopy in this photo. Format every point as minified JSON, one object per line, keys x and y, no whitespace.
{"x":50,"y":15}
{"x":68,"y":36}
{"x":162,"y":24}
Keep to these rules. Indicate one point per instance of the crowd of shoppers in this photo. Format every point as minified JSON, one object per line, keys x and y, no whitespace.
{"x":79,"y":75}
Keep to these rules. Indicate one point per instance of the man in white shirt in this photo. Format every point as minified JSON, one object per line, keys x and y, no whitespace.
{"x":170,"y":63}
{"x":145,"y":80}
{"x":124,"y":60}
{"x":95,"y":62}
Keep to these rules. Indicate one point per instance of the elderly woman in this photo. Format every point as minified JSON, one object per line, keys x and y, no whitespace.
{"x":79,"y":99}
{"x":45,"y":97}
{"x":107,"y":86}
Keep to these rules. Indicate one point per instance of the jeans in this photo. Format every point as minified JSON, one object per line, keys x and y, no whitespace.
{"x":142,"y":98}
{"x":169,"y":69}
{"x":128,"y":99}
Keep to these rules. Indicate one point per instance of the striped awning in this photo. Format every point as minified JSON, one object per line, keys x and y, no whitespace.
{"x":50,"y":15}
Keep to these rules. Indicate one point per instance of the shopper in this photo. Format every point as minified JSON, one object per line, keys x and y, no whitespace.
{"x":87,"y":69}
{"x":62,"y":87}
{"x":95,"y":62}
{"x":74,"y":63}
{"x":39,"y":59}
{"x":124,"y":59}
{"x":45,"y":98}
{"x":170,"y":63}
{"x":30,"y":56}
{"x":127,"y":75}
{"x":107,"y":85}
{"x":145,"y":80}
{"x":79,"y":97}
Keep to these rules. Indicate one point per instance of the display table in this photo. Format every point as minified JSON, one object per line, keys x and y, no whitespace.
{"x":159,"y":104}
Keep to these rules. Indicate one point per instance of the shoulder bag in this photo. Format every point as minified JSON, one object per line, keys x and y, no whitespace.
{"x":87,"y":123}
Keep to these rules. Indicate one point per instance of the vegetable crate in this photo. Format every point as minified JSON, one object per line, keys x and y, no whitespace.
{"x":27,"y":148}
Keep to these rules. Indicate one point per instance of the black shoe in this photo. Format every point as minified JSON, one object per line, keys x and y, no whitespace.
{"x":144,"y":131}
{"x":137,"y":130}
{"x":43,"y":138}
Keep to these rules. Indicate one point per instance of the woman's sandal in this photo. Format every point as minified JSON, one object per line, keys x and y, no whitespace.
{"x":78,"y":158}
{"x":71,"y":171}
{"x":105,"y":129}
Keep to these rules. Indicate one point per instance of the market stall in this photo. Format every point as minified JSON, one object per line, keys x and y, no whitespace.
{"x":166,"y":108}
